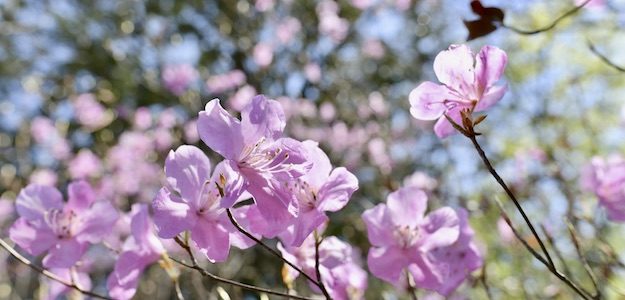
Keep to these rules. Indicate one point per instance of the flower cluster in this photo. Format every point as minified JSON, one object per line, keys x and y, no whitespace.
{"x":435,"y":249}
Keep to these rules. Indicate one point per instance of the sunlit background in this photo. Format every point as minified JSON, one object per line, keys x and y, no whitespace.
{"x":104,"y":89}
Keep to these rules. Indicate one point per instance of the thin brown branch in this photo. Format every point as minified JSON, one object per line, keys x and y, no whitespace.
{"x":582,"y":257}
{"x":604,"y":58}
{"x":47,"y":273}
{"x":195,"y":266}
{"x":550,"y":26}
{"x":559,"y":255}
{"x":271,"y":250}
{"x":317,"y":265}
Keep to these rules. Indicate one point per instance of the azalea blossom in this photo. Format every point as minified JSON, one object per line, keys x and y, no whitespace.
{"x":57,"y":289}
{"x":255,"y":149}
{"x":192,"y":201}
{"x":339,"y":266}
{"x":139,"y":251}
{"x":63,"y":230}
{"x":451,"y":264}
{"x":320,"y":190}
{"x":467,"y":83}
{"x":606,"y":179}
{"x":402,"y":236}
{"x":177,"y":78}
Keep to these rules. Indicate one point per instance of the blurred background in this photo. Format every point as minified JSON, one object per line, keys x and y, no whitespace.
{"x":102,"y":90}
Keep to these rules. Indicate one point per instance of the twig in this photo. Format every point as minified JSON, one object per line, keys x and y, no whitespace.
{"x":485,"y":284}
{"x":194,"y":265}
{"x":589,"y":271}
{"x":317,"y":269}
{"x":179,"y":295}
{"x":604,"y":58}
{"x":271,"y":250}
{"x":511,"y":195}
{"x":412,"y":291}
{"x":550,"y":26}
{"x":551,"y":241}
{"x":47,"y":273}
{"x":553,"y":270}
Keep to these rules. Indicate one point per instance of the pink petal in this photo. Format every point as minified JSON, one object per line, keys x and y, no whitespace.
{"x":492,"y":96}
{"x":33,"y":237}
{"x":379,"y":226}
{"x":407,"y":206}
{"x":387,"y":263}
{"x":142,"y":229}
{"x":97,"y":222}
{"x":321,"y":165}
{"x":171,"y":214}
{"x":80,"y":196}
{"x":248,"y":217}
{"x":220,"y":131}
{"x":64,"y":254}
{"x":426,"y":101}
{"x":34,"y":200}
{"x":212,"y":239}
{"x":489,"y":66}
{"x":187,"y":170}
{"x":262,"y":118}
{"x":441,"y":228}
{"x":454,"y":68}
{"x":122,"y":283}
{"x":235,"y":183}
{"x":305,"y":224}
{"x":443,"y":128}
{"x":337,"y":190}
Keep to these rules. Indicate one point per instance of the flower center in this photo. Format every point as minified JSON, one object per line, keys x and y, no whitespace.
{"x":305,"y":194}
{"x":209,"y":199}
{"x":265,"y":159}
{"x":60,"y":222}
{"x":406,"y":236}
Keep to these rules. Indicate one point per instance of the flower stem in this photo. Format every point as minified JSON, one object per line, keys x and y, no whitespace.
{"x":194,"y":265}
{"x":47,"y":273}
{"x":317,"y":270}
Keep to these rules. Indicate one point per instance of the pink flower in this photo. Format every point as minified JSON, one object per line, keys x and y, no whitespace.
{"x":85,"y":165}
{"x":338,"y":264}
{"x":177,"y":78}
{"x":320,"y":190}
{"x":606,"y":179}
{"x":191,"y":202}
{"x":451,"y":264}
{"x":465,"y":82}
{"x":223,"y":82}
{"x":139,"y":251}
{"x":255,"y":149}
{"x":64,"y":230}
{"x":90,"y":113}
{"x":402,"y":236}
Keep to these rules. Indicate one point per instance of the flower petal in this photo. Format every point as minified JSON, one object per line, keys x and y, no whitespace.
{"x":235,"y":184}
{"x":262,"y":118}
{"x":123,"y":281}
{"x":379,"y":226}
{"x":443,"y":128}
{"x":387,"y":263}
{"x":454,"y":68}
{"x":337,"y":190}
{"x":492,"y":96}
{"x":440,"y":228}
{"x":305,"y":224}
{"x":212,"y":239}
{"x":171,"y":214}
{"x":142,"y":229}
{"x":321,"y":165}
{"x":220,"y":131}
{"x":34,"y":200}
{"x":407,"y":206}
{"x":64,"y":254}
{"x":96,"y":222}
{"x":80,"y":196}
{"x":34,"y":236}
{"x":187,"y":170}
{"x":489,"y":66}
{"x":427,"y":101}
